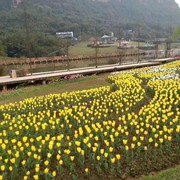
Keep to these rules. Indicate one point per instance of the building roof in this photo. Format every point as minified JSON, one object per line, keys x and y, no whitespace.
{"x":105,"y":36}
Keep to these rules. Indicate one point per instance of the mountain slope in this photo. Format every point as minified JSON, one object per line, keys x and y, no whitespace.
{"x":94,"y":16}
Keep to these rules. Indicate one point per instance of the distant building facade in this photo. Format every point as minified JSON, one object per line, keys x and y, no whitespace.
{"x":65,"y":34}
{"x":16,"y":3}
{"x":125,"y":45}
{"x":108,"y":39}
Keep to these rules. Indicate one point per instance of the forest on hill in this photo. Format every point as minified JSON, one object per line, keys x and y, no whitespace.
{"x":41,"y":19}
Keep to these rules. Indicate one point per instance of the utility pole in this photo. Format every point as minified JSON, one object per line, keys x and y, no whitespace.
{"x":119,"y":47}
{"x":138,"y":43}
{"x":27,"y":31}
{"x":139,"y":14}
{"x":96,"y":44}
{"x":156,"y":49}
{"x":168,"y":48}
{"x":67,"y":53}
{"x":119,"y":50}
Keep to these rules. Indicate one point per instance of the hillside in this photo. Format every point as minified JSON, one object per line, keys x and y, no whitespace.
{"x":95,"y":16}
{"x":28,"y":27}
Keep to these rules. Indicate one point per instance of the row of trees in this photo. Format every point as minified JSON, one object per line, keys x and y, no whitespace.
{"x":35,"y":45}
{"x":27,"y":38}
{"x":177,"y":33}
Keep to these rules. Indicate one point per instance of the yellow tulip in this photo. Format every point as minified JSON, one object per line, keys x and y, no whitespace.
{"x":118,"y":156}
{"x":23,"y":162}
{"x":111,"y":149}
{"x":102,"y":151}
{"x":113,"y":160}
{"x":98,"y":158}
{"x":13,"y":160}
{"x":2,"y":167}
{"x":10,"y":168}
{"x":124,"y":141}
{"x":72,"y":158}
{"x":156,"y":145}
{"x":86,"y":170}
{"x":25,"y":177}
{"x":134,"y":138}
{"x":54,"y":173}
{"x":61,"y":162}
{"x":77,"y":143}
{"x":36,"y":177}
{"x":150,"y":140}
{"x":46,"y":170}
{"x":126,"y":148}
{"x":132,"y":146}
{"x":106,"y":155}
{"x":161,"y":140}
{"x":46,"y":163}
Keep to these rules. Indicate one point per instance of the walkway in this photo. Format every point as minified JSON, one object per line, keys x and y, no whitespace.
{"x":6,"y":80}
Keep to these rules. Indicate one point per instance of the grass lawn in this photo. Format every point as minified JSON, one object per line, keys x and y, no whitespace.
{"x":82,"y":49}
{"x":4,"y":57}
{"x":169,"y":174}
{"x":58,"y":87}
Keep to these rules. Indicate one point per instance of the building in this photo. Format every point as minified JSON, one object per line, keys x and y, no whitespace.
{"x":65,"y":35}
{"x":125,"y":45}
{"x":16,"y":3}
{"x":108,"y":39}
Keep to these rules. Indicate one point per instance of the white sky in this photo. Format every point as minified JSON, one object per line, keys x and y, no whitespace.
{"x":178,"y":1}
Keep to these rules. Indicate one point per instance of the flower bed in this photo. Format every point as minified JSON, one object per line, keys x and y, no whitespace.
{"x":95,"y":133}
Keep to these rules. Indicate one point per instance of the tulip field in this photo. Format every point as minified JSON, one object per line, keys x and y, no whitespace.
{"x":126,"y":129}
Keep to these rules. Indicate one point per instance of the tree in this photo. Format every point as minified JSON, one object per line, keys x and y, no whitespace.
{"x":120,"y":51}
{"x":2,"y":50}
{"x":15,"y":45}
{"x":176,"y":33}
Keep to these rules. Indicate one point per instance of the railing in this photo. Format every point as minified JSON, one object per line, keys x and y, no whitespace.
{"x":64,"y":58}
